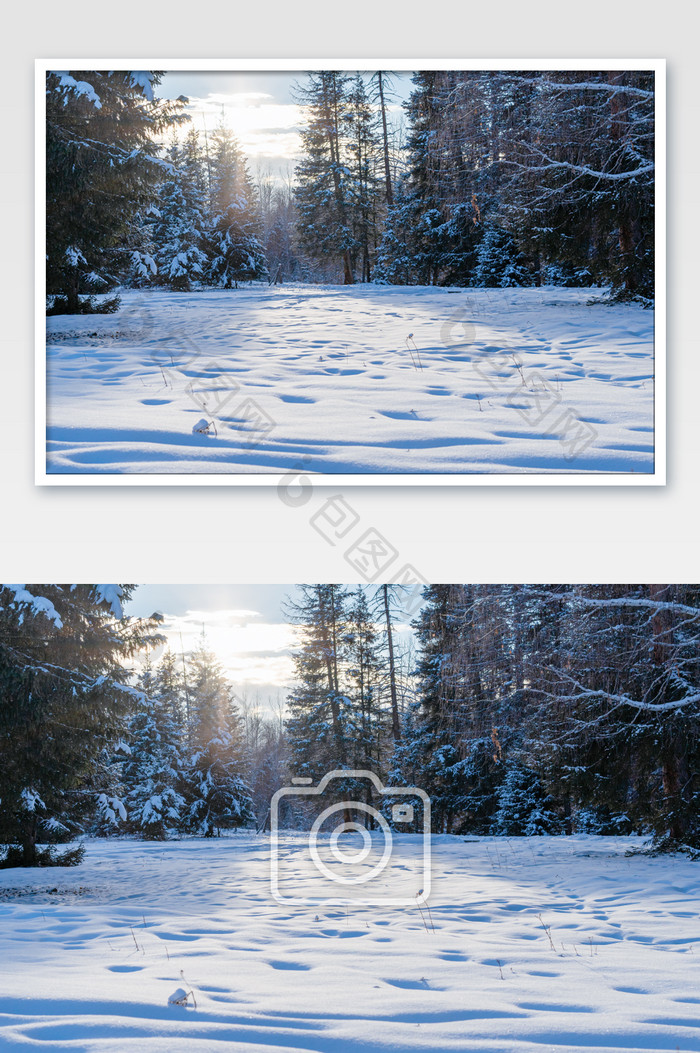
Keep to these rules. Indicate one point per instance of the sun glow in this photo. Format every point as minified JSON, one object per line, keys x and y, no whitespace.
{"x":254,"y":653}
{"x":267,"y":130}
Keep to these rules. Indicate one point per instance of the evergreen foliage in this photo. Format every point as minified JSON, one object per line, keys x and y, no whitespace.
{"x":102,"y":166}
{"x":178,"y":231}
{"x":234,"y":250}
{"x":524,"y":807}
{"x":152,"y":771}
{"x":216,"y":795}
{"x":533,"y":709}
{"x":65,"y":699}
{"x":519,"y":177}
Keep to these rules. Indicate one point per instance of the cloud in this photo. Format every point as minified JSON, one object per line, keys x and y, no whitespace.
{"x":254,"y":653}
{"x":264,"y":127}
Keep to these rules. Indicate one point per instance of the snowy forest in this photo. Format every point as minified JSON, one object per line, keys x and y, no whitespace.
{"x":499,"y":179}
{"x":520,"y":710}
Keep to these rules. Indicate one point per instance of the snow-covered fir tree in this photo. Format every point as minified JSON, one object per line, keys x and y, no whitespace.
{"x":234,"y":250}
{"x":213,"y":783}
{"x":324,"y":180}
{"x":152,"y":770}
{"x":65,"y":698}
{"x":499,"y":263}
{"x":524,"y":807}
{"x":431,"y":235}
{"x":178,"y":231}
{"x":102,"y":169}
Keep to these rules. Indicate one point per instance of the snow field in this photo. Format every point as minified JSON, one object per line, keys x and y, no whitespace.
{"x":365,"y":379}
{"x":540,"y":944}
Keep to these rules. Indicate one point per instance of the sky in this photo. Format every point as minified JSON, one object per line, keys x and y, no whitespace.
{"x":244,"y":625}
{"x":259,"y":108}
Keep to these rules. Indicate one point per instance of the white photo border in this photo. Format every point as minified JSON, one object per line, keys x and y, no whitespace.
{"x":573,"y":478}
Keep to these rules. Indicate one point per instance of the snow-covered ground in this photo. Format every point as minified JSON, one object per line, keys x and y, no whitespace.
{"x":366,"y":379}
{"x":540,"y":944}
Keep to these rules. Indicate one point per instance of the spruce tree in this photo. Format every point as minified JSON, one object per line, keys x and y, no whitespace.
{"x":431,"y":231}
{"x":324,"y":179}
{"x":178,"y":232}
{"x":234,"y":249}
{"x":319,"y":722}
{"x":213,"y":782}
{"x":102,"y":165}
{"x":366,"y":196}
{"x":524,"y":806}
{"x":65,"y":699}
{"x":370,"y":720}
{"x":152,"y":770}
{"x":499,"y":262}
{"x":623,"y":691}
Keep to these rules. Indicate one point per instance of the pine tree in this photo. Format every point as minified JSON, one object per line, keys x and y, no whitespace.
{"x":622,"y":690}
{"x":581,"y":157}
{"x":427,"y":754}
{"x":381,"y":89}
{"x":234,"y":249}
{"x":370,"y":721}
{"x":178,"y":232}
{"x":366,"y":201}
{"x":499,"y":263}
{"x":470,"y":711}
{"x":324,"y":179}
{"x":213,"y":782}
{"x":65,"y":699}
{"x":386,"y":604}
{"x":524,"y":806}
{"x":431,"y":232}
{"x":318,"y":726}
{"x":151,"y":772}
{"x":544,"y":176}
{"x":102,"y":164}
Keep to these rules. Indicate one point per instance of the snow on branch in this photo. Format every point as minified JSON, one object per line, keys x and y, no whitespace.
{"x":580,"y":170}
{"x":610,"y":89}
{"x":31,"y":800}
{"x":69,"y":85}
{"x":631,"y":601}
{"x":112,"y":596}
{"x":143,"y":79}
{"x":641,"y":705}
{"x":38,"y":604}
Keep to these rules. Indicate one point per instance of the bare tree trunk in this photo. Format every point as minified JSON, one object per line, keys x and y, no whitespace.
{"x":329,"y":642}
{"x":672,"y":761}
{"x":618,"y":126}
{"x":334,"y":145}
{"x":347,"y":268}
{"x":72,"y":297}
{"x":29,"y":844}
{"x":395,"y":725}
{"x":387,"y":167}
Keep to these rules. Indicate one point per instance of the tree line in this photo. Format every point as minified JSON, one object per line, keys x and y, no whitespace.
{"x":530,"y":709}
{"x":523,"y":710}
{"x":504,"y":179}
